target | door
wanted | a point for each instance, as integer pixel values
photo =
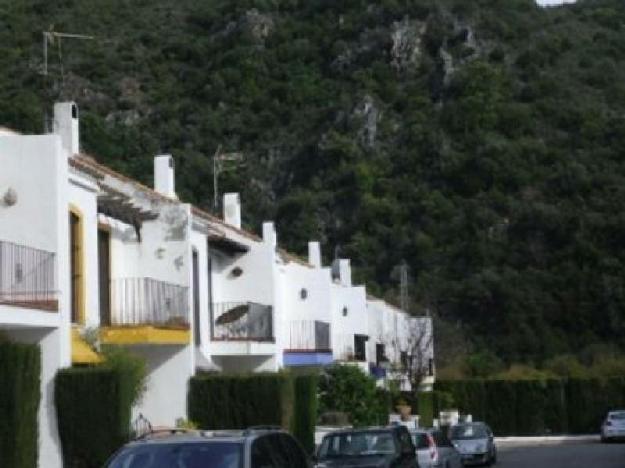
(104, 275)
(76, 266)
(196, 297)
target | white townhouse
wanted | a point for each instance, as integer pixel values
(85, 249)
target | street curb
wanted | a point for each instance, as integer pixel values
(559, 439)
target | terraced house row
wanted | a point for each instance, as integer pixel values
(83, 248)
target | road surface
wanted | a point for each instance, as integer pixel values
(564, 455)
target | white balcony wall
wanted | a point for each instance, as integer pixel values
(349, 318)
(305, 296)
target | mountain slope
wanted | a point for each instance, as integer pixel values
(481, 142)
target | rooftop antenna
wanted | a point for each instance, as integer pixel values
(219, 165)
(52, 37)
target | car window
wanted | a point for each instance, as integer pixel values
(264, 453)
(295, 454)
(180, 455)
(620, 416)
(421, 440)
(469, 432)
(441, 439)
(366, 443)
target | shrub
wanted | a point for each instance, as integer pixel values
(93, 413)
(240, 401)
(133, 370)
(347, 389)
(533, 407)
(305, 410)
(20, 371)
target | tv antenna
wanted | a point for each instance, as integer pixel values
(51, 37)
(220, 161)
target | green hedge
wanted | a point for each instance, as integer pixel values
(93, 413)
(305, 410)
(217, 401)
(240, 401)
(20, 393)
(532, 407)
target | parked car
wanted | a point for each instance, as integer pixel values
(475, 442)
(376, 447)
(435, 450)
(614, 426)
(253, 448)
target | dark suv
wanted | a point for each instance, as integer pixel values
(252, 448)
(383, 447)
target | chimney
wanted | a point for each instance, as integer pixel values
(232, 209)
(269, 234)
(66, 125)
(345, 272)
(314, 254)
(164, 175)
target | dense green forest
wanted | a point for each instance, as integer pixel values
(482, 142)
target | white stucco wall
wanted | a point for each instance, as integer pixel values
(82, 195)
(300, 312)
(169, 368)
(354, 323)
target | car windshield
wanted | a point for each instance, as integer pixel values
(351, 444)
(618, 416)
(180, 455)
(468, 432)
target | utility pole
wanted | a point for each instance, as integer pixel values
(219, 159)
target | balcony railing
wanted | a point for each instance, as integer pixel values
(309, 336)
(241, 321)
(27, 277)
(146, 301)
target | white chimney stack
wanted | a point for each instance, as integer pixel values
(66, 125)
(164, 180)
(345, 272)
(232, 209)
(314, 254)
(269, 234)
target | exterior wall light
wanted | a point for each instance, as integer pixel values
(303, 293)
(10, 197)
(236, 272)
(345, 311)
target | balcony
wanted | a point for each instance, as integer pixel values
(308, 344)
(146, 311)
(27, 277)
(241, 321)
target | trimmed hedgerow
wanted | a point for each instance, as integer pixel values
(217, 401)
(532, 407)
(93, 412)
(305, 410)
(20, 393)
(240, 401)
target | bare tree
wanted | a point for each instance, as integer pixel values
(412, 358)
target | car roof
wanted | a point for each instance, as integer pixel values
(362, 430)
(175, 436)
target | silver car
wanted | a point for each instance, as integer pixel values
(475, 442)
(435, 450)
(614, 426)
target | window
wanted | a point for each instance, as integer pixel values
(76, 266)
(360, 352)
(188, 455)
(380, 354)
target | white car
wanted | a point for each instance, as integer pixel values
(614, 426)
(434, 449)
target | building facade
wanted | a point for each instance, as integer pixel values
(85, 250)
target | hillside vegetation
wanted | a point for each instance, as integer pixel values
(480, 141)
